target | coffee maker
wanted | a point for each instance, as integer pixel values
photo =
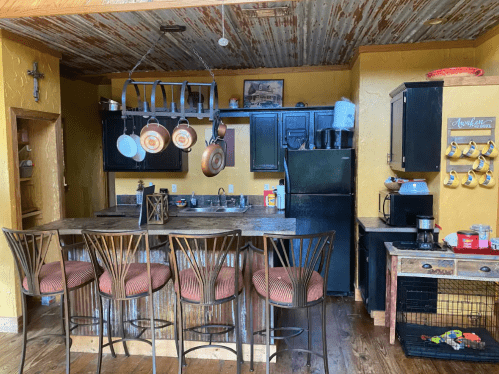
(426, 227)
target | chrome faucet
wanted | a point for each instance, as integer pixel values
(222, 200)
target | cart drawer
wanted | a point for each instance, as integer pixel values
(479, 269)
(426, 266)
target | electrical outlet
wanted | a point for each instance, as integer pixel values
(174, 188)
(266, 187)
(231, 188)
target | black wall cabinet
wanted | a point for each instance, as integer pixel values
(274, 130)
(416, 127)
(172, 159)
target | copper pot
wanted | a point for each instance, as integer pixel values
(222, 129)
(154, 137)
(184, 136)
(213, 160)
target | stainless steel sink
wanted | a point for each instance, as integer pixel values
(231, 210)
(212, 210)
(208, 209)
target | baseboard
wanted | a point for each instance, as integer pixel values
(11, 324)
(379, 317)
(167, 348)
(358, 295)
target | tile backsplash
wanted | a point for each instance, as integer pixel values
(202, 200)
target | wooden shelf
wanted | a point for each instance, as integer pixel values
(24, 179)
(31, 214)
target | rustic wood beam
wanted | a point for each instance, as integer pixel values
(38, 8)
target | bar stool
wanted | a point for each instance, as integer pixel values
(125, 279)
(204, 276)
(38, 278)
(301, 282)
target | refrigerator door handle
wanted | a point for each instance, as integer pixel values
(286, 177)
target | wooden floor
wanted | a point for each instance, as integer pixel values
(354, 346)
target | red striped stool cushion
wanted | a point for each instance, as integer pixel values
(77, 273)
(136, 279)
(224, 285)
(281, 288)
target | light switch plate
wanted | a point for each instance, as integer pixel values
(174, 188)
(231, 188)
(266, 187)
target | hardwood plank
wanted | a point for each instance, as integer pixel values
(354, 346)
(36, 8)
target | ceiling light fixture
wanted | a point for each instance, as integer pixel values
(267, 12)
(434, 21)
(223, 41)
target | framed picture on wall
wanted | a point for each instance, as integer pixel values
(263, 93)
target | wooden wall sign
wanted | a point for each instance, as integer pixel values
(454, 125)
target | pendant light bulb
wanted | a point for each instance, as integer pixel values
(223, 41)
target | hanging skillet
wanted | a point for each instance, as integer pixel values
(154, 137)
(141, 153)
(184, 136)
(126, 144)
(213, 160)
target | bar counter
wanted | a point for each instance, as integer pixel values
(83, 302)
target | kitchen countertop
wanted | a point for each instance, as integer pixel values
(134, 211)
(449, 253)
(375, 224)
(250, 226)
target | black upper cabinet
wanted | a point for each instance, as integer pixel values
(274, 130)
(266, 154)
(171, 159)
(295, 129)
(416, 127)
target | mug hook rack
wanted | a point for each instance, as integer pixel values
(469, 124)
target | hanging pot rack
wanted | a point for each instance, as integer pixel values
(212, 112)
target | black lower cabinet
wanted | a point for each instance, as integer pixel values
(372, 264)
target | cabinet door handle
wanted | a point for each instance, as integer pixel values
(485, 269)
(427, 266)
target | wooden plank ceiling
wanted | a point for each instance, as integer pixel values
(325, 32)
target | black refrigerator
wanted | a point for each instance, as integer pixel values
(320, 195)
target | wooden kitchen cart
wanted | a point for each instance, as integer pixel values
(437, 265)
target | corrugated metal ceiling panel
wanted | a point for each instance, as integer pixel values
(323, 32)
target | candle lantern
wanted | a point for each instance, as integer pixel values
(157, 209)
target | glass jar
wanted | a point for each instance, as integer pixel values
(483, 235)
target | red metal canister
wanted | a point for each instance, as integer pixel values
(467, 239)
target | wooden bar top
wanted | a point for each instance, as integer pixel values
(251, 226)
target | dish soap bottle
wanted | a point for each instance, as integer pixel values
(139, 193)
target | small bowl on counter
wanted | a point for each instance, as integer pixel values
(181, 203)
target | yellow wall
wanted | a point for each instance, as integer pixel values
(487, 56)
(462, 207)
(380, 73)
(85, 179)
(17, 91)
(313, 88)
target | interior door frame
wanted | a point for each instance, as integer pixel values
(19, 113)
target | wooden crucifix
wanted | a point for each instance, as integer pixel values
(36, 75)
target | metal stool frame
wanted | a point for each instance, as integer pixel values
(116, 255)
(191, 247)
(316, 255)
(29, 249)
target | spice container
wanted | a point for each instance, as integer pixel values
(467, 239)
(483, 235)
(494, 243)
